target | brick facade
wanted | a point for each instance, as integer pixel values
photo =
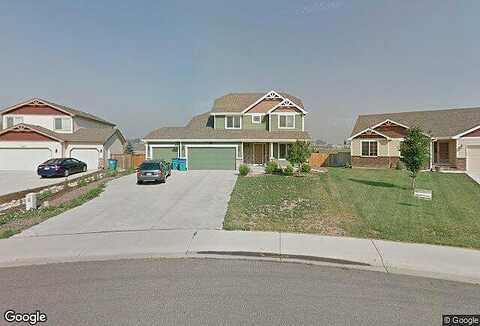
(461, 164)
(379, 162)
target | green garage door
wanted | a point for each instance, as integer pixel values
(164, 153)
(211, 158)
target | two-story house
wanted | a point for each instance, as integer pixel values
(34, 131)
(250, 128)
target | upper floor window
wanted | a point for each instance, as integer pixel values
(257, 118)
(63, 124)
(233, 122)
(286, 121)
(12, 121)
(369, 148)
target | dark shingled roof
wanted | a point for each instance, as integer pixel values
(237, 102)
(201, 127)
(437, 123)
(83, 135)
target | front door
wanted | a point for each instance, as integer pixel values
(258, 153)
(443, 152)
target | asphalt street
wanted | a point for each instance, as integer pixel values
(227, 292)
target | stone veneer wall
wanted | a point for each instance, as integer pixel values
(375, 162)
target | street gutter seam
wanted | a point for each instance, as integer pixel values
(189, 244)
(380, 255)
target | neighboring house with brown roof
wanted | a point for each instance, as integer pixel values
(36, 130)
(250, 128)
(454, 133)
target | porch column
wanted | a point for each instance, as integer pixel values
(271, 151)
(431, 155)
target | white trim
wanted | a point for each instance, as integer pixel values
(256, 115)
(391, 121)
(285, 115)
(31, 101)
(371, 130)
(369, 141)
(466, 132)
(23, 126)
(286, 103)
(215, 146)
(271, 151)
(303, 122)
(214, 122)
(235, 128)
(291, 140)
(152, 146)
(269, 95)
(226, 113)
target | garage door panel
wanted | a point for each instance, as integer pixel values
(473, 159)
(24, 159)
(90, 156)
(164, 153)
(211, 158)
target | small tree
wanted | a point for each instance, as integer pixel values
(299, 152)
(415, 152)
(128, 149)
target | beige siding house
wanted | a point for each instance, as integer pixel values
(454, 134)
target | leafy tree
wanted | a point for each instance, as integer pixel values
(415, 152)
(128, 148)
(299, 152)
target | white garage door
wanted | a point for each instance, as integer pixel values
(23, 158)
(90, 156)
(473, 159)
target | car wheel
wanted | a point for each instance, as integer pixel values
(164, 180)
(139, 182)
(66, 173)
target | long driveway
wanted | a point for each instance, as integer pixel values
(189, 200)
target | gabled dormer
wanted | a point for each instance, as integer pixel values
(52, 116)
(271, 111)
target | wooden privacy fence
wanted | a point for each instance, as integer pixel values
(333, 159)
(128, 161)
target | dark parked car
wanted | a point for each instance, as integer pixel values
(153, 171)
(61, 167)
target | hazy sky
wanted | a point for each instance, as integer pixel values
(146, 65)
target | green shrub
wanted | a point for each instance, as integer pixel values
(272, 167)
(400, 165)
(305, 168)
(348, 166)
(244, 169)
(288, 170)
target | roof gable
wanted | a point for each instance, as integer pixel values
(436, 123)
(243, 102)
(36, 102)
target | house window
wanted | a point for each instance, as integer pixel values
(369, 148)
(286, 121)
(233, 122)
(63, 124)
(256, 119)
(282, 151)
(12, 121)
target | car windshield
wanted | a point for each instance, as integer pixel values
(150, 166)
(54, 161)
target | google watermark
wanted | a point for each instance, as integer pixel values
(32, 318)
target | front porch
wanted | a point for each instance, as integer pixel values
(444, 156)
(261, 153)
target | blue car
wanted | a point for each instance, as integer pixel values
(61, 167)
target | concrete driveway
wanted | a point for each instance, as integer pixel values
(189, 200)
(13, 181)
(475, 176)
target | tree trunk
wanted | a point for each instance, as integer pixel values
(413, 184)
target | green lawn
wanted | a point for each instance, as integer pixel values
(360, 203)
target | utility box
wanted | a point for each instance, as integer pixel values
(31, 201)
(423, 194)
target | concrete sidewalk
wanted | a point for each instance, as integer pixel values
(384, 256)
